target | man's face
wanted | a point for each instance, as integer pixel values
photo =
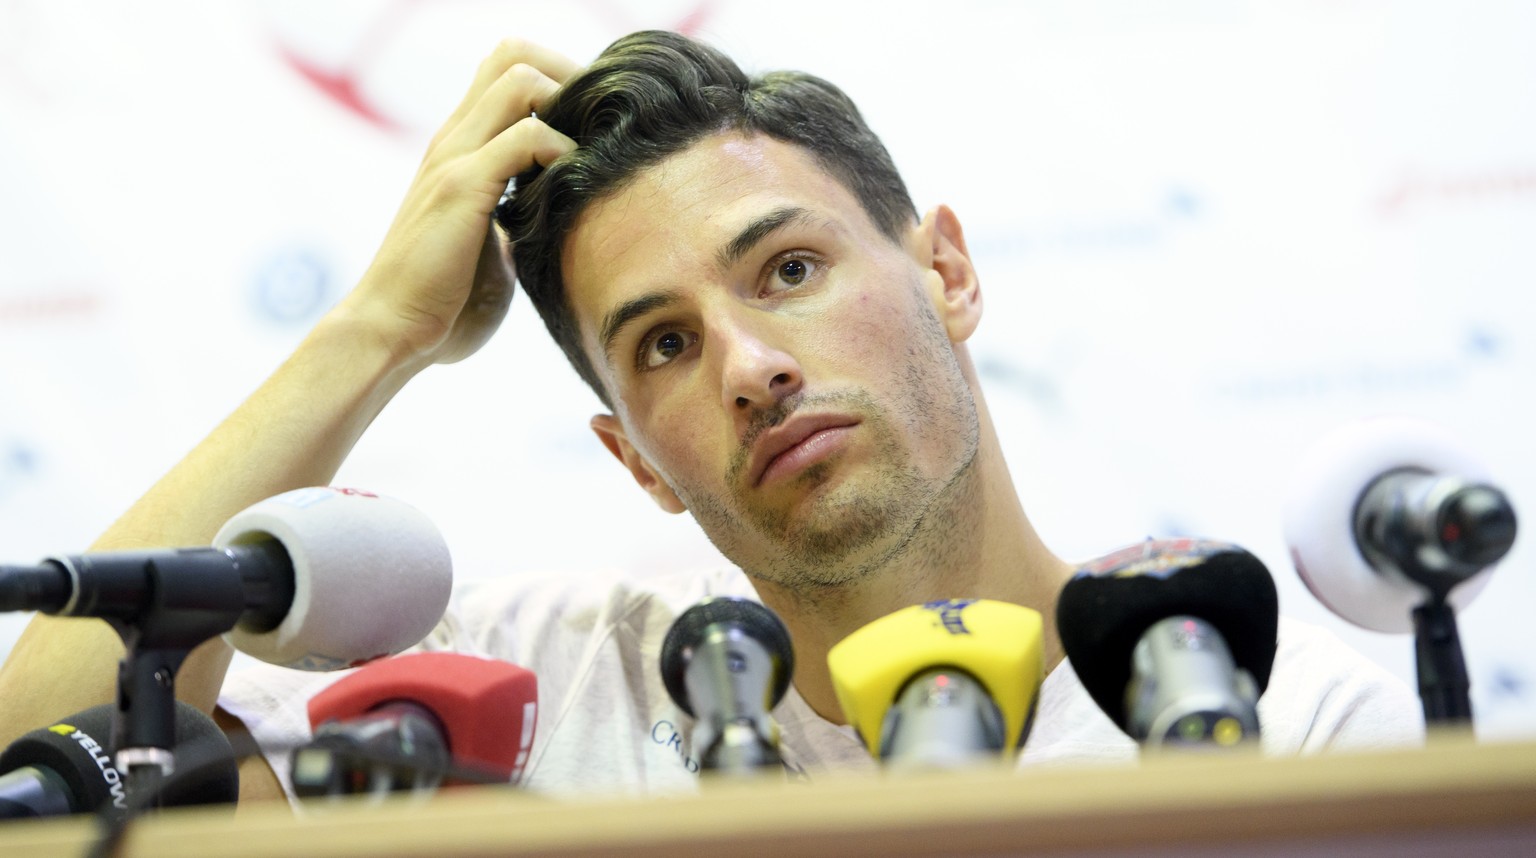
(778, 365)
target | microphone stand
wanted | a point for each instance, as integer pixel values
(189, 607)
(1438, 533)
(1444, 686)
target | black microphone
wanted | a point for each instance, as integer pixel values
(122, 585)
(67, 768)
(1174, 639)
(727, 662)
(1434, 529)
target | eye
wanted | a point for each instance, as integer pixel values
(663, 347)
(791, 272)
(794, 271)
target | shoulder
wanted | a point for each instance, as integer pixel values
(1324, 695)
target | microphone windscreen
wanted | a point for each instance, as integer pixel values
(998, 643)
(372, 576)
(750, 618)
(1106, 607)
(488, 709)
(207, 771)
(1326, 488)
(78, 748)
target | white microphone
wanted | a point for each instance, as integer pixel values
(372, 576)
(315, 579)
(1395, 528)
(1384, 513)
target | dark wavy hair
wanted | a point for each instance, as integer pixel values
(651, 95)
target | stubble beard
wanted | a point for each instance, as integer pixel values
(873, 520)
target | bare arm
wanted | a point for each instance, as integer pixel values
(435, 292)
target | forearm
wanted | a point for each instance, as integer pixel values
(294, 431)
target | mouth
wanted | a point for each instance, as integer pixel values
(797, 444)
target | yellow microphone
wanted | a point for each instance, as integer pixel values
(942, 684)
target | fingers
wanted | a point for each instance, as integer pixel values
(518, 93)
(526, 142)
(445, 302)
(545, 71)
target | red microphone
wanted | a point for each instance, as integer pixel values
(412, 722)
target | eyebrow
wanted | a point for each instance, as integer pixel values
(757, 230)
(749, 237)
(629, 311)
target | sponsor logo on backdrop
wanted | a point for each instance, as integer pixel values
(1480, 348)
(292, 286)
(18, 464)
(346, 82)
(1155, 223)
(1419, 189)
(55, 302)
(1508, 682)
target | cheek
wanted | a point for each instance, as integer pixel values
(871, 331)
(679, 444)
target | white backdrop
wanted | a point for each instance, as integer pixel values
(1208, 232)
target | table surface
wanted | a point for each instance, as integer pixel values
(1454, 796)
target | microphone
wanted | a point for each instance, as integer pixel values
(727, 662)
(404, 723)
(1384, 513)
(942, 684)
(315, 579)
(1394, 528)
(1174, 639)
(67, 768)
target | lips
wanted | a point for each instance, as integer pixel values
(796, 443)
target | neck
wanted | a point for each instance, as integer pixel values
(975, 543)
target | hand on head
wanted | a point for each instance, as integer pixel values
(443, 279)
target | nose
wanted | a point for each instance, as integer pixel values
(756, 373)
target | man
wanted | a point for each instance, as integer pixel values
(735, 267)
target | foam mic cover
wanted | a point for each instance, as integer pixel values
(372, 576)
(1329, 484)
(78, 751)
(997, 643)
(1107, 606)
(487, 709)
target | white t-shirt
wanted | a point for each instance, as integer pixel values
(606, 723)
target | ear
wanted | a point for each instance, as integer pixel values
(954, 287)
(611, 432)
